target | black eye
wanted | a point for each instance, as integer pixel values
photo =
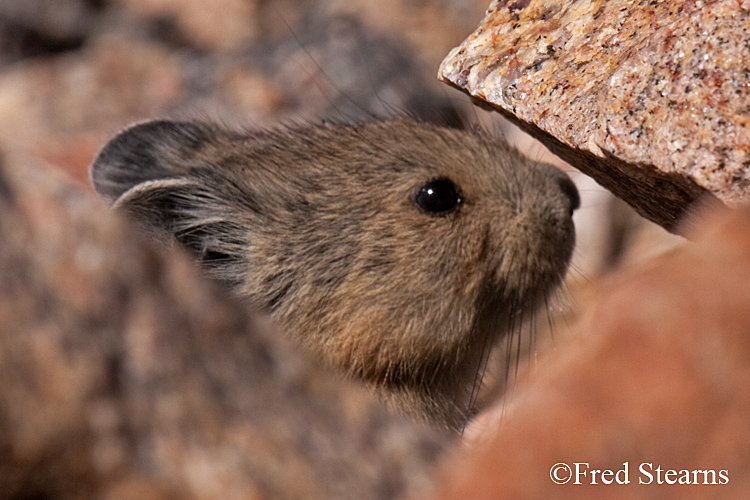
(438, 197)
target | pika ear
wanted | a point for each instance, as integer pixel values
(145, 152)
(147, 172)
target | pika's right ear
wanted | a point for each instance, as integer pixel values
(145, 152)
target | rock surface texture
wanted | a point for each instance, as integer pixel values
(648, 97)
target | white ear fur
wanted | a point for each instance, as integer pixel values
(141, 192)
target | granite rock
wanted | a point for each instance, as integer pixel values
(648, 97)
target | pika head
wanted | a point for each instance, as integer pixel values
(396, 251)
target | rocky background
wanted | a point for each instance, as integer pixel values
(73, 72)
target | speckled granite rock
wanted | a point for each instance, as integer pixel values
(651, 98)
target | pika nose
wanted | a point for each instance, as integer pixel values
(570, 190)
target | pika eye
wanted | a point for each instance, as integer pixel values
(439, 197)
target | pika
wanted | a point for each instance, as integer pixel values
(397, 251)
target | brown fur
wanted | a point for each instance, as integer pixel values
(319, 225)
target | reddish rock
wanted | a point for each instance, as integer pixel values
(657, 371)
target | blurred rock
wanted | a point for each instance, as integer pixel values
(125, 375)
(649, 98)
(218, 25)
(657, 371)
(62, 110)
(34, 28)
(236, 61)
